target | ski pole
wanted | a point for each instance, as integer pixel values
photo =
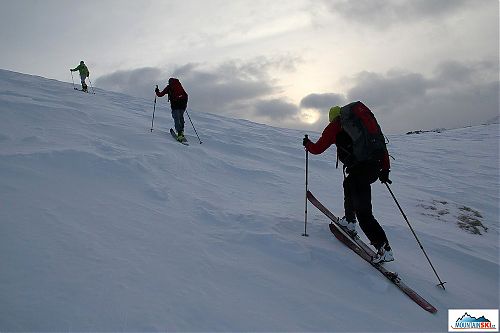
(154, 109)
(441, 283)
(91, 86)
(193, 127)
(72, 80)
(307, 172)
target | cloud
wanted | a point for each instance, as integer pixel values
(394, 88)
(454, 71)
(457, 94)
(243, 89)
(322, 101)
(138, 82)
(276, 110)
(384, 13)
(230, 88)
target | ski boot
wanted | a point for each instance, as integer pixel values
(181, 137)
(350, 226)
(384, 254)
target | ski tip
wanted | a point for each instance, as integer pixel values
(431, 309)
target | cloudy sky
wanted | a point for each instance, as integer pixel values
(418, 64)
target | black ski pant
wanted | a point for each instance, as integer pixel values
(358, 202)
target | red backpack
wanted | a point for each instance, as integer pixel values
(176, 91)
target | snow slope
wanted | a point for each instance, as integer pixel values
(107, 226)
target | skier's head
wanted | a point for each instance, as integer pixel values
(81, 62)
(334, 113)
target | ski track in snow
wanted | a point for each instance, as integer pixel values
(107, 226)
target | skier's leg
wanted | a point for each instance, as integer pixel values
(349, 212)
(84, 85)
(181, 120)
(363, 206)
(175, 116)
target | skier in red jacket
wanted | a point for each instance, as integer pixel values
(357, 183)
(178, 103)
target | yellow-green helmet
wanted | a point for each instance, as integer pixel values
(334, 113)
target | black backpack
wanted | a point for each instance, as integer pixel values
(368, 142)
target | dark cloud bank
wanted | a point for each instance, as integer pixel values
(234, 88)
(457, 94)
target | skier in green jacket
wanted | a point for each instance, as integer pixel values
(84, 73)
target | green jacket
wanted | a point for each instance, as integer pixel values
(84, 71)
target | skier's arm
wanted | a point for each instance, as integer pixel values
(162, 93)
(326, 140)
(77, 68)
(384, 172)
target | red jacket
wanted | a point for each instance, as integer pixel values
(175, 103)
(329, 137)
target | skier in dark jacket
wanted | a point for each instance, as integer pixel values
(178, 103)
(357, 183)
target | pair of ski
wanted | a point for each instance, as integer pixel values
(365, 252)
(85, 91)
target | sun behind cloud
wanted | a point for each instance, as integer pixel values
(309, 116)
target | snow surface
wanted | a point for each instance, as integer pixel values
(107, 226)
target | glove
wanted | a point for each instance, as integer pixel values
(384, 177)
(305, 141)
(157, 90)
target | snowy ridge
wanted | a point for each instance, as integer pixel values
(106, 226)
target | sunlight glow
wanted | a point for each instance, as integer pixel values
(309, 116)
